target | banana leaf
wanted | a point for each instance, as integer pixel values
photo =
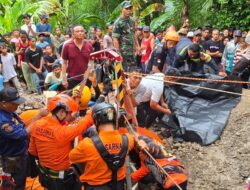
(160, 21)
(152, 8)
(93, 20)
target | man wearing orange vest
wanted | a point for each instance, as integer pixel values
(104, 154)
(50, 142)
(166, 160)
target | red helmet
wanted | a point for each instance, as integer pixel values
(63, 100)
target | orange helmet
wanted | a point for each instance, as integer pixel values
(173, 36)
(63, 100)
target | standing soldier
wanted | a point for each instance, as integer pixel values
(124, 37)
(50, 142)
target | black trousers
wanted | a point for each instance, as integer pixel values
(108, 186)
(146, 115)
(68, 183)
(20, 176)
(73, 83)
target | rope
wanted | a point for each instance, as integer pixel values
(59, 82)
(150, 156)
(189, 85)
(201, 79)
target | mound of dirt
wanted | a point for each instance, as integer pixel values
(223, 165)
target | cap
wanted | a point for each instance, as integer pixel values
(44, 16)
(146, 29)
(190, 34)
(237, 33)
(126, 4)
(197, 33)
(26, 16)
(10, 94)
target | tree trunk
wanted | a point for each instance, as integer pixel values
(185, 11)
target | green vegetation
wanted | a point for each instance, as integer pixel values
(156, 13)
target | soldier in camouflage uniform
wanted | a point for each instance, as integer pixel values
(124, 36)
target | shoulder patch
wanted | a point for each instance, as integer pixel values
(7, 128)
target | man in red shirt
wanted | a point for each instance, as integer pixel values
(75, 56)
(147, 45)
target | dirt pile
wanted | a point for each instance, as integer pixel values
(223, 165)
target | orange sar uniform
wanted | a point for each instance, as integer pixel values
(50, 141)
(96, 171)
(179, 177)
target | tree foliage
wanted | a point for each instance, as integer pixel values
(233, 13)
(156, 13)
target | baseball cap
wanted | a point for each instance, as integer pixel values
(44, 16)
(146, 29)
(126, 4)
(190, 34)
(10, 94)
(197, 32)
(237, 33)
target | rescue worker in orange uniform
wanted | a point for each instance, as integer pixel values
(166, 160)
(160, 153)
(103, 154)
(50, 142)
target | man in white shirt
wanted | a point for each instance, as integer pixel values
(151, 103)
(107, 40)
(7, 68)
(54, 78)
(28, 27)
(133, 87)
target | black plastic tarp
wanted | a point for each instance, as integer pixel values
(199, 115)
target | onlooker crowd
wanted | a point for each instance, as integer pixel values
(37, 48)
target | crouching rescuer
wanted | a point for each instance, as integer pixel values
(176, 178)
(50, 143)
(104, 154)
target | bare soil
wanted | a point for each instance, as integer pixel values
(224, 165)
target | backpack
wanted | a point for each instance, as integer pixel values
(114, 161)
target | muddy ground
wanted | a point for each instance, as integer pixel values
(224, 165)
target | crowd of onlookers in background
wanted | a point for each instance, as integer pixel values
(32, 55)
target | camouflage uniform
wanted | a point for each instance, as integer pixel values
(124, 30)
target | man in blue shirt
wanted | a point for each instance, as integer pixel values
(13, 140)
(44, 27)
(42, 43)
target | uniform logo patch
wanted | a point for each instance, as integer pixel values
(14, 120)
(110, 114)
(7, 128)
